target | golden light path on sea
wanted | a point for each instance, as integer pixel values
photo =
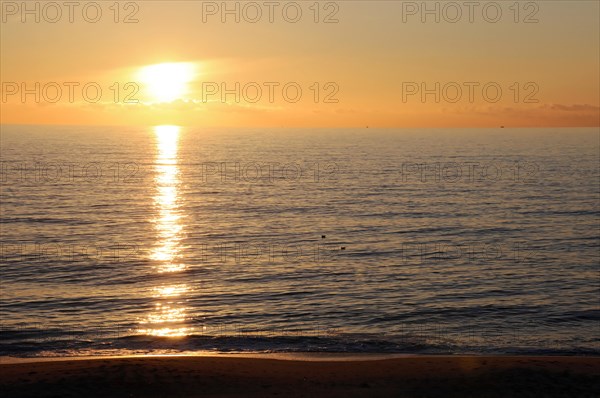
(169, 314)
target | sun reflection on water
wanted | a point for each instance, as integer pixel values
(170, 291)
(169, 315)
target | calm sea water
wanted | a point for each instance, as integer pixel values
(168, 239)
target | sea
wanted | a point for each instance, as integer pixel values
(177, 240)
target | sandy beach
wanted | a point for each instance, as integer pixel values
(422, 376)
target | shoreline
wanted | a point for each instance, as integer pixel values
(280, 356)
(235, 375)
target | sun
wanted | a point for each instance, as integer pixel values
(167, 82)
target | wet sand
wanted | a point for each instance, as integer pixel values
(223, 376)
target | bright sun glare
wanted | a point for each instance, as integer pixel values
(167, 82)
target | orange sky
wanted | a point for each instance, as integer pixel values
(368, 63)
